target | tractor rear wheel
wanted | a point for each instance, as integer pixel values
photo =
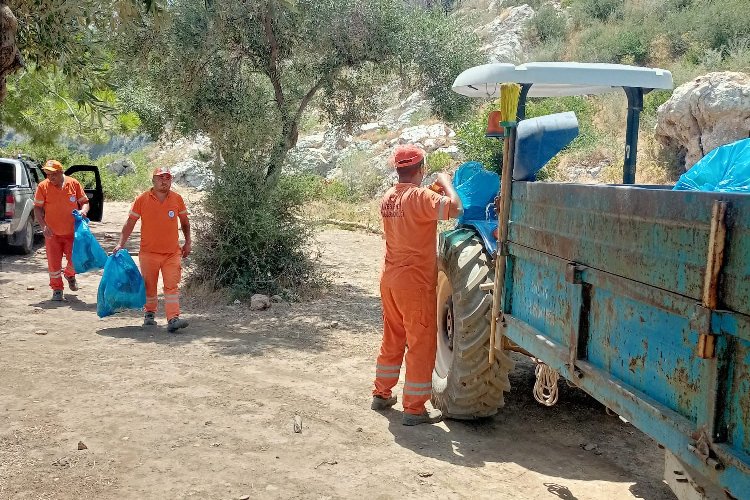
(464, 384)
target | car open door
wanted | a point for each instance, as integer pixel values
(91, 180)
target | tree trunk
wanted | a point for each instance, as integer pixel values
(10, 57)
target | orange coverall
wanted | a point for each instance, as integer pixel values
(407, 290)
(58, 204)
(160, 248)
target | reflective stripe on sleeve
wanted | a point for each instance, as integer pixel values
(183, 212)
(39, 203)
(83, 199)
(441, 208)
(133, 214)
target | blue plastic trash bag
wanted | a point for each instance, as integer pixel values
(725, 169)
(88, 254)
(121, 287)
(477, 187)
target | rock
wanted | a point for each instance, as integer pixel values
(259, 302)
(41, 332)
(703, 114)
(421, 133)
(245, 497)
(297, 424)
(82, 446)
(332, 324)
(425, 474)
(506, 35)
(589, 446)
(369, 126)
(193, 173)
(451, 150)
(236, 302)
(276, 299)
(29, 288)
(312, 160)
(122, 166)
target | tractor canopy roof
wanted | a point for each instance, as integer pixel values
(553, 79)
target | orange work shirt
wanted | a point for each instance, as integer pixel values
(410, 214)
(158, 221)
(59, 203)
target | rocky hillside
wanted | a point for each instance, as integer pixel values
(704, 113)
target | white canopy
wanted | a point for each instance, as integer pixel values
(553, 79)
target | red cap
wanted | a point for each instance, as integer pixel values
(407, 155)
(52, 166)
(163, 171)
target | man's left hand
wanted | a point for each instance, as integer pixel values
(186, 249)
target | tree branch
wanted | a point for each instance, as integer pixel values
(272, 69)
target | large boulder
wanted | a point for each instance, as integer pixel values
(193, 173)
(506, 34)
(703, 114)
(431, 137)
(121, 166)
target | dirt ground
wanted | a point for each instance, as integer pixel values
(209, 414)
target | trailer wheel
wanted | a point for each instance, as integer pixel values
(464, 384)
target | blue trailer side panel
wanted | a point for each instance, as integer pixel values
(606, 285)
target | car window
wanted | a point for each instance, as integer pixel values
(37, 174)
(24, 178)
(7, 174)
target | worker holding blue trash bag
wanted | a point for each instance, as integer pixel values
(159, 210)
(54, 201)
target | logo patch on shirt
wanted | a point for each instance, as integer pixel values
(171, 214)
(72, 198)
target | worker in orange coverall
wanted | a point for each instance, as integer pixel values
(159, 209)
(408, 285)
(55, 199)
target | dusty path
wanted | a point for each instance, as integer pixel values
(209, 414)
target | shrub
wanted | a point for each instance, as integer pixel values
(584, 11)
(250, 241)
(547, 24)
(474, 146)
(438, 161)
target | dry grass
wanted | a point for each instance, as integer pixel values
(365, 213)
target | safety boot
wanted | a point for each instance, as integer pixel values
(72, 283)
(149, 319)
(380, 403)
(175, 324)
(57, 295)
(427, 417)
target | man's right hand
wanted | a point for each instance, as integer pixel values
(444, 180)
(47, 232)
(116, 249)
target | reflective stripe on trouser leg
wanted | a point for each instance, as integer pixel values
(149, 263)
(392, 347)
(54, 251)
(420, 322)
(171, 272)
(67, 248)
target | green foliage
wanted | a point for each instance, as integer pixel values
(582, 106)
(547, 24)
(710, 33)
(653, 100)
(252, 244)
(587, 11)
(438, 161)
(474, 146)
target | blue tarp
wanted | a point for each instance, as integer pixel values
(121, 287)
(477, 187)
(725, 169)
(87, 253)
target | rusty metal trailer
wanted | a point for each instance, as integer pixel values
(638, 295)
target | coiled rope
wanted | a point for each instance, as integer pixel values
(545, 387)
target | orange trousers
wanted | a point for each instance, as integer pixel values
(170, 265)
(409, 318)
(56, 246)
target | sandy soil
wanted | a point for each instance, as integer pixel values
(209, 414)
